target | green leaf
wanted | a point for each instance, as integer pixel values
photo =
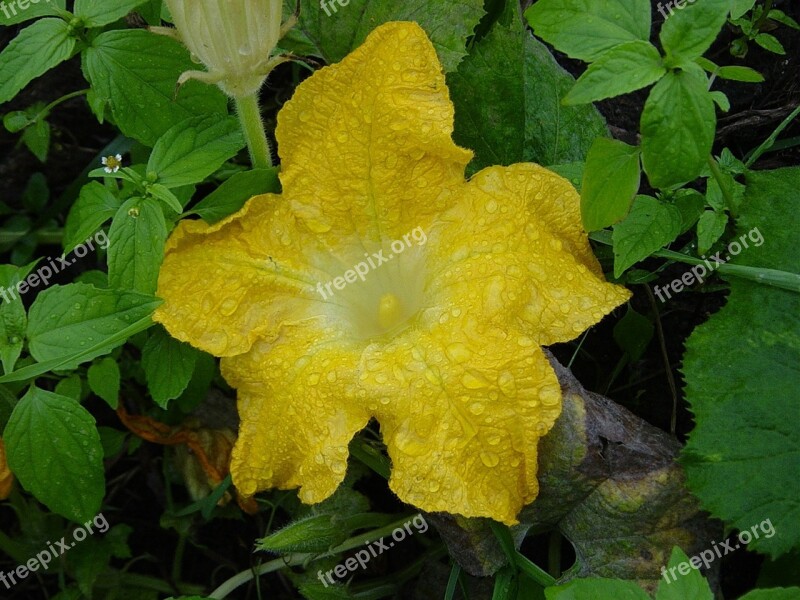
(14, 13)
(229, 197)
(104, 380)
(710, 228)
(54, 450)
(13, 320)
(610, 182)
(648, 227)
(690, 203)
(690, 31)
(770, 42)
(520, 117)
(782, 17)
(745, 74)
(37, 139)
(16, 120)
(633, 333)
(740, 369)
(71, 387)
(596, 588)
(65, 320)
(135, 69)
(721, 100)
(37, 49)
(95, 205)
(96, 13)
(678, 125)
(168, 366)
(773, 594)
(585, 29)
(89, 559)
(689, 586)
(136, 245)
(193, 149)
(739, 7)
(623, 69)
(448, 23)
(161, 192)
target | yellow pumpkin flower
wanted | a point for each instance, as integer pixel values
(381, 284)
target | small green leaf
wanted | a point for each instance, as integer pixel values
(678, 125)
(691, 30)
(13, 319)
(710, 228)
(610, 182)
(96, 13)
(71, 387)
(161, 192)
(721, 100)
(317, 533)
(585, 29)
(648, 227)
(37, 139)
(54, 450)
(193, 149)
(690, 203)
(623, 69)
(16, 120)
(112, 440)
(740, 7)
(131, 69)
(595, 588)
(229, 197)
(65, 320)
(782, 17)
(745, 74)
(136, 245)
(633, 333)
(37, 49)
(104, 380)
(95, 205)
(682, 580)
(792, 593)
(770, 42)
(168, 366)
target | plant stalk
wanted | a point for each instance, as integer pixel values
(253, 127)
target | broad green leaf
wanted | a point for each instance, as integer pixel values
(596, 588)
(682, 581)
(168, 366)
(690, 31)
(710, 228)
(104, 380)
(13, 12)
(610, 182)
(95, 13)
(736, 73)
(95, 205)
(740, 369)
(520, 117)
(332, 36)
(623, 69)
(229, 197)
(678, 125)
(193, 149)
(585, 29)
(64, 320)
(37, 49)
(136, 245)
(54, 450)
(770, 42)
(136, 72)
(649, 226)
(740, 7)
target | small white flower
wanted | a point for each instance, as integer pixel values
(112, 164)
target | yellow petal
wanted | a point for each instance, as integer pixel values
(516, 238)
(366, 144)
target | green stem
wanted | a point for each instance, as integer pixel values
(250, 117)
(726, 192)
(780, 279)
(770, 141)
(46, 110)
(295, 559)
